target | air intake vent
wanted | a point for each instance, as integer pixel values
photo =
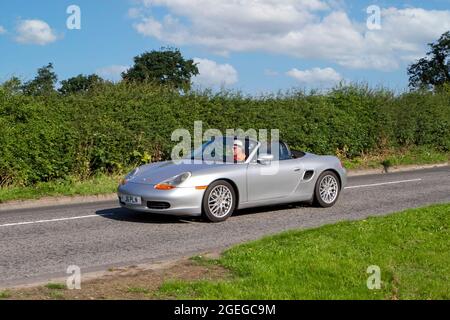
(308, 175)
(158, 205)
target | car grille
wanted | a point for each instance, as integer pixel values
(158, 205)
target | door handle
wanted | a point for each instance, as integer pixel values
(297, 169)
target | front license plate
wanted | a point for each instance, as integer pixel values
(131, 200)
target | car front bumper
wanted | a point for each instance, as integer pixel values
(180, 201)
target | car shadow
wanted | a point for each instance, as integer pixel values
(282, 207)
(122, 214)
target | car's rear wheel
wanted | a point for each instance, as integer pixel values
(219, 201)
(327, 189)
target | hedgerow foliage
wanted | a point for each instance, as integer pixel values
(115, 126)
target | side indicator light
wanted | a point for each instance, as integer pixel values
(201, 187)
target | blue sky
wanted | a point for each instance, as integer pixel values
(253, 46)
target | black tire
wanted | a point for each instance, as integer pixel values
(319, 201)
(223, 215)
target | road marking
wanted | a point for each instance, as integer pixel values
(382, 184)
(54, 220)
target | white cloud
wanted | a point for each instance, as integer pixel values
(35, 32)
(113, 72)
(224, 23)
(316, 76)
(214, 74)
(150, 27)
(134, 13)
(316, 29)
(2, 30)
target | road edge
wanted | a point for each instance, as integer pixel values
(73, 200)
(55, 201)
(394, 169)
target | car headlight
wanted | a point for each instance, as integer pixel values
(173, 182)
(129, 176)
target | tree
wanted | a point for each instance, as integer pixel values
(166, 67)
(43, 83)
(80, 83)
(13, 85)
(433, 71)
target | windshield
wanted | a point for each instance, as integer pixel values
(225, 149)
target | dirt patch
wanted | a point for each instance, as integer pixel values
(123, 283)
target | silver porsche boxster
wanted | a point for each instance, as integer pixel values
(243, 174)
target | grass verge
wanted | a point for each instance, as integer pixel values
(101, 184)
(397, 157)
(331, 262)
(120, 283)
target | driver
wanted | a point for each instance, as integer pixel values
(238, 151)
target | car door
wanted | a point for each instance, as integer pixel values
(275, 180)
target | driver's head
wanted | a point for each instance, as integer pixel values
(238, 150)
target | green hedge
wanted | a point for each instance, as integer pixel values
(117, 126)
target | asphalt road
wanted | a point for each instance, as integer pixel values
(39, 244)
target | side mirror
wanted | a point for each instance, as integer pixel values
(265, 159)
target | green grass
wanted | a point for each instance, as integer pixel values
(55, 286)
(57, 295)
(203, 261)
(411, 248)
(412, 156)
(101, 184)
(4, 295)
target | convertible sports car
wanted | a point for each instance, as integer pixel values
(214, 185)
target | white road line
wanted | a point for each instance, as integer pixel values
(54, 220)
(382, 184)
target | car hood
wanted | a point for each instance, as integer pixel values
(158, 172)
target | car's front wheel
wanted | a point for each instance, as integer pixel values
(219, 201)
(327, 189)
